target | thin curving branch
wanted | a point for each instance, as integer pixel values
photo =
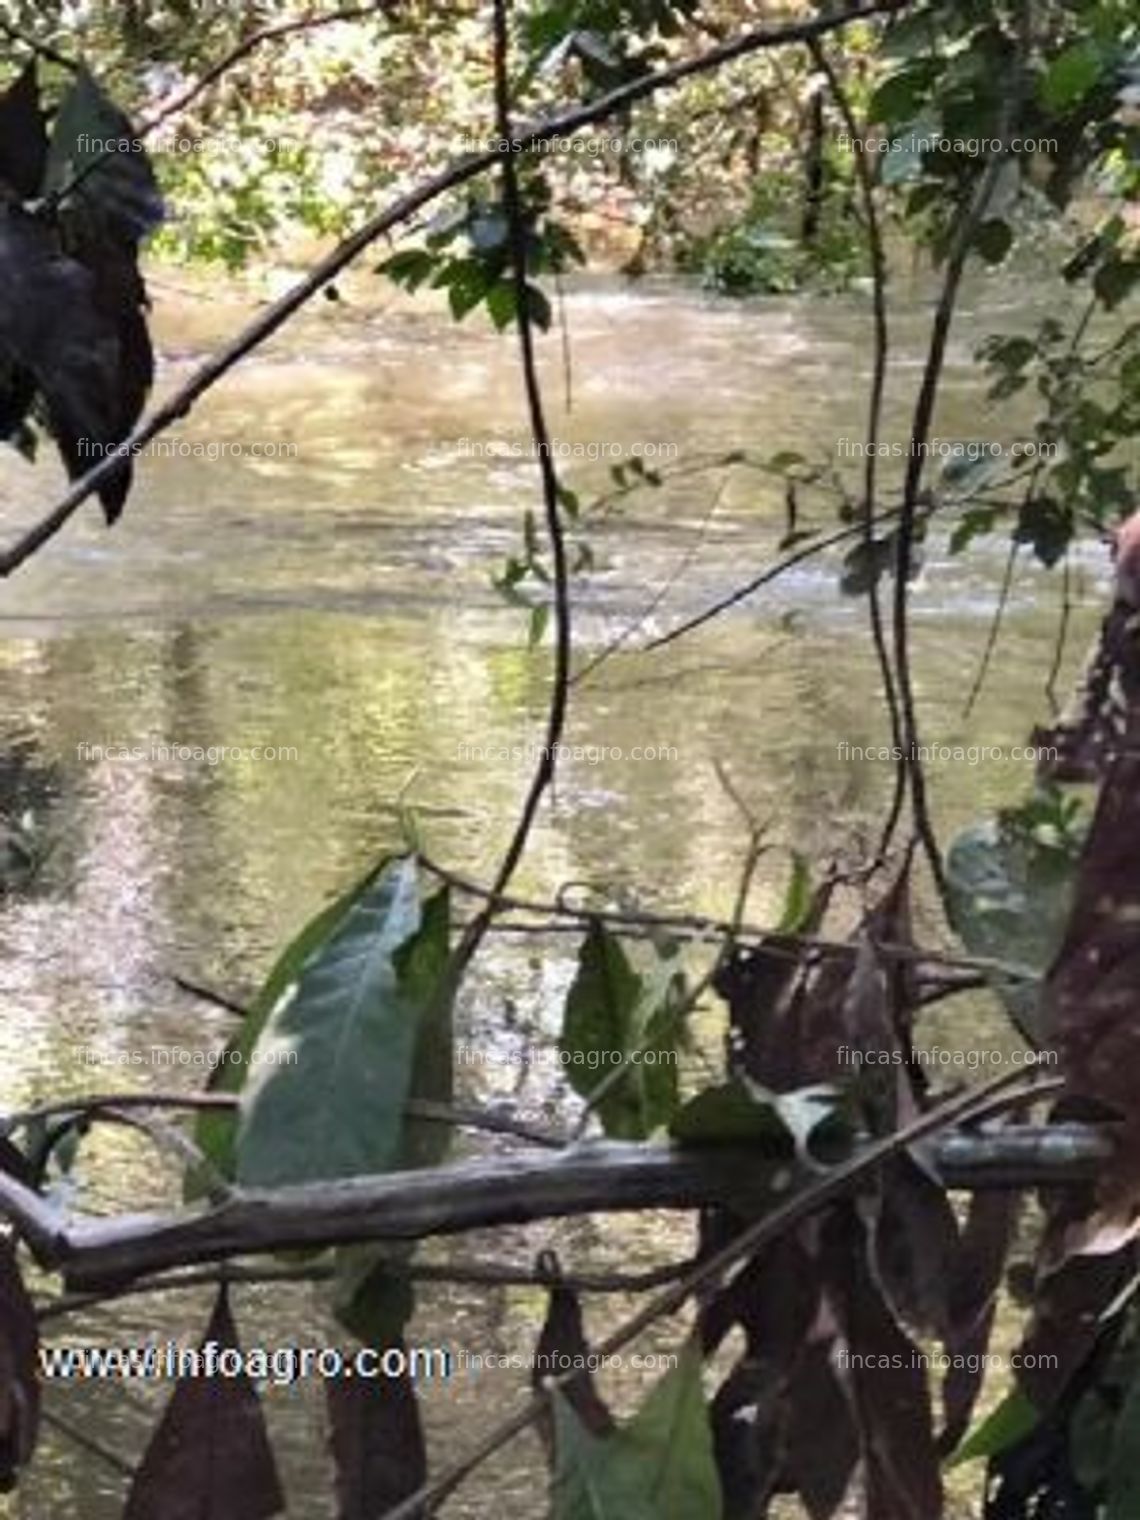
(543, 777)
(879, 275)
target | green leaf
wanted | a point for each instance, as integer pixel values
(215, 1133)
(539, 618)
(993, 240)
(1010, 883)
(864, 565)
(798, 897)
(658, 1466)
(612, 1011)
(501, 303)
(732, 1114)
(410, 267)
(352, 1021)
(1071, 76)
(1003, 1427)
(119, 184)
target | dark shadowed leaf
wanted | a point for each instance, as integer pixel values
(973, 1280)
(377, 1443)
(1124, 1458)
(118, 186)
(74, 335)
(658, 1466)
(562, 1346)
(888, 1387)
(352, 1021)
(823, 1446)
(23, 137)
(19, 1370)
(210, 1457)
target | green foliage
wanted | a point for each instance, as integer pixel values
(1011, 884)
(480, 273)
(336, 1059)
(761, 252)
(620, 1035)
(1002, 1428)
(658, 1466)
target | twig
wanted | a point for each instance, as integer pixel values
(765, 578)
(908, 521)
(87, 1442)
(463, 1273)
(874, 421)
(1062, 638)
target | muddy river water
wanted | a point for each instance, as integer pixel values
(331, 601)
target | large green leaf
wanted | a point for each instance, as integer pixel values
(618, 1021)
(334, 1063)
(216, 1132)
(659, 1466)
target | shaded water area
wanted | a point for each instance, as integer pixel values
(339, 604)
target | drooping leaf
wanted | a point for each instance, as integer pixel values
(974, 1279)
(1124, 1458)
(889, 1390)
(1011, 886)
(75, 337)
(562, 1345)
(23, 136)
(377, 1443)
(117, 185)
(19, 1370)
(216, 1133)
(657, 1466)
(210, 1457)
(327, 1095)
(617, 1020)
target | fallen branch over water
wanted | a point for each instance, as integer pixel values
(603, 1177)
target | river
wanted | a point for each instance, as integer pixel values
(333, 601)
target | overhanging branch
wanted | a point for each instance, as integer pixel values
(598, 1177)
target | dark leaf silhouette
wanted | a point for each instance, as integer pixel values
(887, 1386)
(74, 335)
(562, 1345)
(19, 1370)
(210, 1458)
(23, 137)
(377, 1443)
(974, 1279)
(116, 187)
